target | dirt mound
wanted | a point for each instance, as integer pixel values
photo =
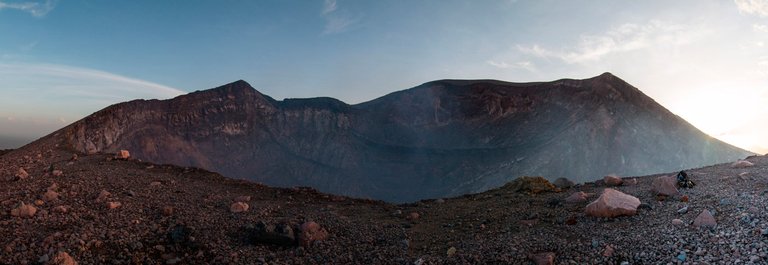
(534, 185)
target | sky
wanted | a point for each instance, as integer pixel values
(705, 60)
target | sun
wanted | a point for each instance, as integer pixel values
(730, 117)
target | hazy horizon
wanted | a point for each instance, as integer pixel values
(62, 60)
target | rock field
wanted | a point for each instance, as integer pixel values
(58, 207)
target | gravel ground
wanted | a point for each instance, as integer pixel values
(495, 227)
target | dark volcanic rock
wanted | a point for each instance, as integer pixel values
(563, 183)
(442, 138)
(280, 234)
(611, 180)
(180, 234)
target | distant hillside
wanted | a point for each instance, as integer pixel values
(5, 151)
(12, 141)
(442, 138)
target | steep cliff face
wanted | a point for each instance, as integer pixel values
(442, 138)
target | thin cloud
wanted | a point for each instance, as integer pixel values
(77, 74)
(760, 28)
(329, 6)
(28, 46)
(625, 38)
(40, 98)
(762, 66)
(753, 7)
(335, 25)
(336, 21)
(46, 86)
(36, 9)
(502, 65)
(525, 65)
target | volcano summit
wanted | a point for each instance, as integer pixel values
(442, 138)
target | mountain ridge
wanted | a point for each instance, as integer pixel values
(441, 138)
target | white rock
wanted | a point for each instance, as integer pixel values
(741, 164)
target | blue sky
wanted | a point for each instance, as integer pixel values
(705, 60)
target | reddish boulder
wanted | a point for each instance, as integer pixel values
(60, 209)
(611, 180)
(167, 211)
(238, 207)
(114, 205)
(57, 173)
(50, 195)
(103, 195)
(24, 210)
(613, 203)
(22, 173)
(705, 219)
(664, 185)
(311, 232)
(123, 154)
(413, 216)
(608, 251)
(577, 197)
(543, 258)
(62, 258)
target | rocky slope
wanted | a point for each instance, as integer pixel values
(95, 209)
(442, 138)
(5, 151)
